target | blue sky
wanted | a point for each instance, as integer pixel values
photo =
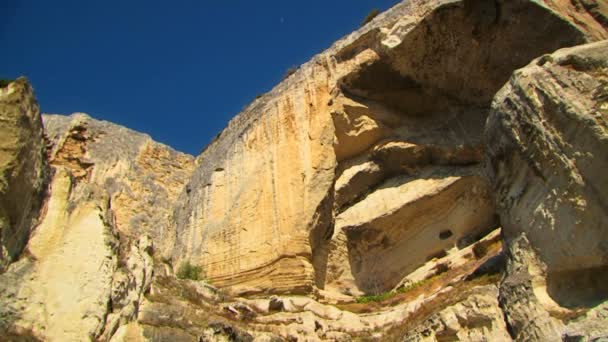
(177, 70)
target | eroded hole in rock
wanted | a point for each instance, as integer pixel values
(579, 288)
(445, 234)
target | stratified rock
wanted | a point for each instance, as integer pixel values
(139, 177)
(361, 173)
(90, 258)
(23, 168)
(405, 97)
(476, 318)
(547, 150)
(405, 222)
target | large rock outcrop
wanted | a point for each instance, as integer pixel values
(316, 181)
(89, 260)
(547, 149)
(358, 182)
(23, 168)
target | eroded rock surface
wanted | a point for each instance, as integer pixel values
(476, 318)
(350, 202)
(547, 148)
(23, 168)
(90, 258)
(403, 99)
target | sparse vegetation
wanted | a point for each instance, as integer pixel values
(370, 16)
(389, 294)
(189, 271)
(441, 268)
(292, 70)
(4, 82)
(480, 250)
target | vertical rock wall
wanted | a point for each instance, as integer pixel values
(23, 168)
(330, 172)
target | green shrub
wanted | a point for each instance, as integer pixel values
(292, 70)
(370, 16)
(480, 250)
(441, 268)
(188, 271)
(375, 298)
(4, 83)
(389, 294)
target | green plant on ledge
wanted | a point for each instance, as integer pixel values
(390, 294)
(292, 70)
(5, 83)
(370, 16)
(189, 271)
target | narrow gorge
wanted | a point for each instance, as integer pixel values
(435, 175)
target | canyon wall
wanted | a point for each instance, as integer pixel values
(23, 168)
(88, 259)
(366, 162)
(435, 175)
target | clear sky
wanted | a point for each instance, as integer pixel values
(177, 70)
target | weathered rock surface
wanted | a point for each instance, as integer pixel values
(89, 260)
(405, 97)
(139, 177)
(193, 311)
(360, 174)
(406, 222)
(23, 168)
(476, 318)
(547, 148)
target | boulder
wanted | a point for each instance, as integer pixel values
(547, 149)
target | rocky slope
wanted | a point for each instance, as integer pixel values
(360, 199)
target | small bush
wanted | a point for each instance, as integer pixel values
(375, 298)
(389, 294)
(441, 268)
(5, 83)
(292, 70)
(188, 271)
(480, 250)
(370, 16)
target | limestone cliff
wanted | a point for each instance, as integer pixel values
(368, 196)
(366, 162)
(89, 258)
(23, 168)
(547, 148)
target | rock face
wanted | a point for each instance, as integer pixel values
(89, 259)
(23, 169)
(353, 201)
(477, 318)
(547, 146)
(288, 192)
